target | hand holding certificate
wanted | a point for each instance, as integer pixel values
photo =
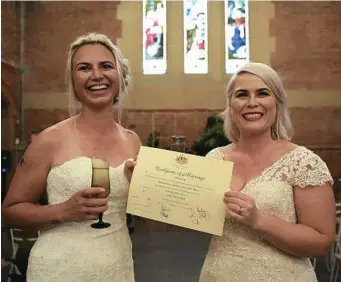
(180, 189)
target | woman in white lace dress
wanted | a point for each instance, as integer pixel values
(60, 160)
(280, 208)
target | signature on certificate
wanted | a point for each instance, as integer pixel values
(200, 214)
(164, 211)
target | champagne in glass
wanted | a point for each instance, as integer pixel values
(178, 143)
(100, 177)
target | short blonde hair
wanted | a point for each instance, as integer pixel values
(121, 65)
(282, 127)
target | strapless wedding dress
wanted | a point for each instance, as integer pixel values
(75, 251)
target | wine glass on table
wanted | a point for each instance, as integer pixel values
(100, 178)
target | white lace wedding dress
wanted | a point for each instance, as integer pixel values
(75, 251)
(241, 255)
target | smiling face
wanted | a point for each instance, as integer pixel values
(253, 105)
(95, 76)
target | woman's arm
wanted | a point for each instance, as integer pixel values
(135, 142)
(135, 145)
(313, 234)
(28, 183)
(20, 205)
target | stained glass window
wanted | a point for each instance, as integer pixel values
(236, 35)
(154, 37)
(195, 36)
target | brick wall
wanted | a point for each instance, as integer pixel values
(10, 51)
(308, 43)
(307, 55)
(50, 29)
(310, 129)
(322, 135)
(318, 126)
(10, 72)
(10, 31)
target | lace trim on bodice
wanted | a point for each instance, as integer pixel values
(299, 167)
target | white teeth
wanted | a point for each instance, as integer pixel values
(98, 87)
(253, 115)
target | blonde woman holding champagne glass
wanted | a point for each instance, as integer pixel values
(61, 158)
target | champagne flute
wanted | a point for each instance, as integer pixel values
(100, 177)
(178, 143)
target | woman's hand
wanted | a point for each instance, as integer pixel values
(129, 168)
(84, 205)
(242, 208)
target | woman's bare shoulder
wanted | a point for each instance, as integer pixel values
(132, 138)
(56, 131)
(129, 134)
(284, 146)
(51, 137)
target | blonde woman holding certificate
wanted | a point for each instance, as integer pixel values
(67, 159)
(280, 208)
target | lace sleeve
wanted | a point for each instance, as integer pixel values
(215, 154)
(312, 171)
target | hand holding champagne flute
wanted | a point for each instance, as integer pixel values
(100, 178)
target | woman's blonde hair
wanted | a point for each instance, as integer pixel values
(121, 66)
(282, 127)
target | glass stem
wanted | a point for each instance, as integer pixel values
(100, 217)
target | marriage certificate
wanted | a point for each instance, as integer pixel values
(180, 189)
